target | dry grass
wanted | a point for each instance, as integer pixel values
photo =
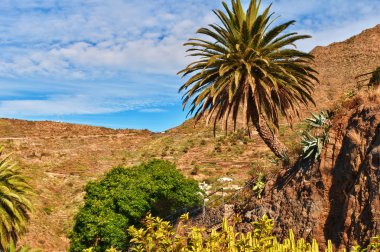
(374, 95)
(60, 159)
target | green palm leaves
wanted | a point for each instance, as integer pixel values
(247, 68)
(14, 202)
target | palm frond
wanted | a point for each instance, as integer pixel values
(15, 205)
(245, 55)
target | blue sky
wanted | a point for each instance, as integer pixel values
(113, 63)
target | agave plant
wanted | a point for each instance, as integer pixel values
(320, 120)
(15, 205)
(312, 145)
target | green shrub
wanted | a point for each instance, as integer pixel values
(123, 197)
(158, 235)
(259, 185)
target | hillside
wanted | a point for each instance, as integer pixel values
(338, 198)
(61, 158)
(339, 63)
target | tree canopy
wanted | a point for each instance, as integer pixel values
(123, 197)
(245, 66)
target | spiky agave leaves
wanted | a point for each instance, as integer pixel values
(320, 120)
(247, 68)
(319, 125)
(311, 146)
(15, 205)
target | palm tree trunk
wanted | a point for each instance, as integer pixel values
(270, 139)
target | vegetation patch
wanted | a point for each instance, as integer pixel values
(123, 197)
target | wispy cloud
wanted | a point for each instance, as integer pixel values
(76, 57)
(91, 38)
(328, 21)
(152, 110)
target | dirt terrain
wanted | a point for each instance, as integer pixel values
(61, 158)
(339, 63)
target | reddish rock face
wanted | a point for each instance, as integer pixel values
(337, 198)
(339, 63)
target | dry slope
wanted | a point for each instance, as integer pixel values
(339, 63)
(61, 158)
(337, 199)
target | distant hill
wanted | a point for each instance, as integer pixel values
(339, 63)
(61, 158)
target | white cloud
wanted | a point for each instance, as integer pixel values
(83, 39)
(99, 56)
(328, 21)
(75, 105)
(59, 105)
(152, 110)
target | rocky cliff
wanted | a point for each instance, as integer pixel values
(339, 63)
(338, 197)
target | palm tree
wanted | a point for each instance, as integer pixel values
(14, 203)
(248, 68)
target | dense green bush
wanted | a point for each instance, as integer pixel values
(123, 197)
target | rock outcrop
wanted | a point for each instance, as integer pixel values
(337, 198)
(339, 63)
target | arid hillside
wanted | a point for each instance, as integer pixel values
(338, 198)
(61, 158)
(339, 63)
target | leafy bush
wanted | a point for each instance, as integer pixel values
(158, 235)
(124, 197)
(259, 186)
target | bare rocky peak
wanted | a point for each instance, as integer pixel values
(340, 62)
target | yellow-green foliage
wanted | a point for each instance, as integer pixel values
(160, 236)
(15, 204)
